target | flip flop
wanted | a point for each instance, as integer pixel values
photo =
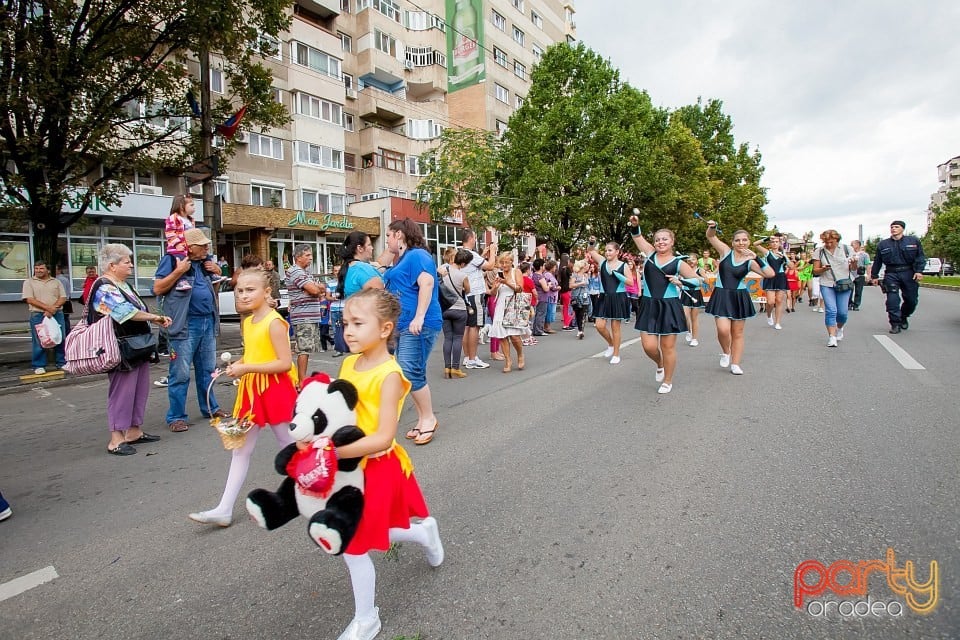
(413, 433)
(427, 433)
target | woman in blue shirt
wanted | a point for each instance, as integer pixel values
(356, 272)
(411, 277)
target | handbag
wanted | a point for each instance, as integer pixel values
(840, 284)
(137, 349)
(448, 295)
(91, 348)
(517, 311)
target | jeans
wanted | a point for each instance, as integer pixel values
(835, 305)
(199, 348)
(413, 351)
(540, 318)
(39, 355)
(454, 324)
(857, 292)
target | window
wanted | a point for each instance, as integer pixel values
(423, 20)
(536, 19)
(425, 56)
(388, 8)
(417, 166)
(386, 192)
(517, 4)
(385, 42)
(267, 195)
(537, 51)
(348, 122)
(499, 21)
(392, 160)
(314, 107)
(423, 129)
(350, 161)
(518, 36)
(346, 42)
(348, 81)
(501, 93)
(277, 95)
(216, 80)
(268, 46)
(501, 127)
(261, 145)
(499, 57)
(311, 200)
(518, 101)
(519, 70)
(315, 59)
(319, 156)
(345, 6)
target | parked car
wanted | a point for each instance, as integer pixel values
(228, 306)
(933, 266)
(947, 269)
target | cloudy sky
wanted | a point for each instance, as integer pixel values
(852, 104)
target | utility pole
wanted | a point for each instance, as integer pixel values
(206, 145)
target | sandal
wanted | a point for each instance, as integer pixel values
(413, 433)
(122, 449)
(427, 434)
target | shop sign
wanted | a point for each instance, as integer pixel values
(328, 221)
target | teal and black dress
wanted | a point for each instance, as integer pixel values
(779, 265)
(660, 310)
(730, 298)
(614, 304)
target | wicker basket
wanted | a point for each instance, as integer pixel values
(232, 431)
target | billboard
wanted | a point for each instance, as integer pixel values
(465, 53)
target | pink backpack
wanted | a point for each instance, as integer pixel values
(91, 348)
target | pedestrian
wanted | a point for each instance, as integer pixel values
(863, 261)
(661, 317)
(91, 277)
(356, 272)
(692, 301)
(393, 506)
(793, 284)
(335, 296)
(593, 289)
(614, 306)
(579, 298)
(528, 287)
(45, 298)
(903, 257)
(836, 264)
(564, 271)
(129, 384)
(730, 302)
(305, 294)
(178, 222)
(489, 304)
(192, 334)
(454, 281)
(474, 272)
(68, 305)
(775, 288)
(706, 263)
(509, 283)
(553, 294)
(411, 276)
(266, 394)
(805, 275)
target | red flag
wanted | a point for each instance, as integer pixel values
(229, 128)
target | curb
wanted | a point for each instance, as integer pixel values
(944, 287)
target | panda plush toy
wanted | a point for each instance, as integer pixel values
(328, 492)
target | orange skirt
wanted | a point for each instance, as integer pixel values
(274, 405)
(390, 499)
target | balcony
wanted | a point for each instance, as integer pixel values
(323, 8)
(374, 104)
(373, 138)
(427, 81)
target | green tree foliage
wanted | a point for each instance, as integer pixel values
(943, 237)
(94, 90)
(462, 178)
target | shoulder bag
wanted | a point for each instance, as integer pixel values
(840, 284)
(91, 347)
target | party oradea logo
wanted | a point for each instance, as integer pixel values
(860, 597)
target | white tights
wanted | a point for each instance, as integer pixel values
(240, 464)
(364, 577)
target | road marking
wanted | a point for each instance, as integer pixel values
(622, 345)
(899, 354)
(25, 583)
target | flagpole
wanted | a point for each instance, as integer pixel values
(206, 145)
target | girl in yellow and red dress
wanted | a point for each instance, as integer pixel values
(267, 391)
(394, 509)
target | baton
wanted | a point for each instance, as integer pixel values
(699, 217)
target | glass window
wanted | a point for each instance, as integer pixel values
(315, 59)
(385, 42)
(536, 19)
(267, 195)
(500, 57)
(519, 70)
(518, 36)
(216, 80)
(348, 122)
(261, 145)
(499, 21)
(319, 155)
(501, 93)
(346, 42)
(537, 51)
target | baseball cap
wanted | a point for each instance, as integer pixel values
(195, 236)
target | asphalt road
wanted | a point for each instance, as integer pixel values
(574, 502)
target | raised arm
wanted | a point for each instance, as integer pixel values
(592, 250)
(638, 239)
(719, 245)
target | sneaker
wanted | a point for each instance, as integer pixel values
(580, 335)
(688, 337)
(480, 364)
(777, 326)
(608, 352)
(362, 629)
(694, 342)
(568, 329)
(819, 309)
(665, 388)
(660, 375)
(162, 382)
(183, 285)
(615, 360)
(770, 321)
(39, 371)
(832, 341)
(839, 334)
(434, 548)
(736, 370)
(5, 510)
(163, 354)
(724, 360)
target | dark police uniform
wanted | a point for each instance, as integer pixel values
(902, 258)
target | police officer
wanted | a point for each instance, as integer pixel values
(904, 260)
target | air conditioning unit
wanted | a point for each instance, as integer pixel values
(151, 190)
(240, 137)
(408, 65)
(351, 93)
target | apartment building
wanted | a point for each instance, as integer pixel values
(948, 174)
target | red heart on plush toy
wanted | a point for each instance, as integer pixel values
(314, 469)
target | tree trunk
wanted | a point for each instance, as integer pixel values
(45, 236)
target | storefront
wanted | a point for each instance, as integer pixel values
(272, 233)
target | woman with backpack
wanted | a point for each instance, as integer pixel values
(454, 285)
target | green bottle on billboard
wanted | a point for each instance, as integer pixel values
(464, 44)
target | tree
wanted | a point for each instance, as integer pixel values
(96, 90)
(461, 178)
(943, 237)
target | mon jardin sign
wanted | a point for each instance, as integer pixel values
(323, 223)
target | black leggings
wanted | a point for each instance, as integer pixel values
(454, 324)
(580, 312)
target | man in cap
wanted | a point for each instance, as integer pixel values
(904, 260)
(196, 324)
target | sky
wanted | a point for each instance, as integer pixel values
(852, 104)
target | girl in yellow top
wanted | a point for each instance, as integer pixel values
(392, 497)
(267, 392)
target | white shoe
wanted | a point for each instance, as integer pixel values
(819, 309)
(162, 382)
(694, 342)
(208, 517)
(689, 336)
(608, 352)
(6, 513)
(777, 327)
(480, 364)
(362, 629)
(770, 321)
(736, 370)
(615, 360)
(39, 371)
(724, 360)
(434, 548)
(660, 375)
(832, 341)
(839, 334)
(665, 388)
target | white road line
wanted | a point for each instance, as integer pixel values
(899, 354)
(25, 583)
(622, 345)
